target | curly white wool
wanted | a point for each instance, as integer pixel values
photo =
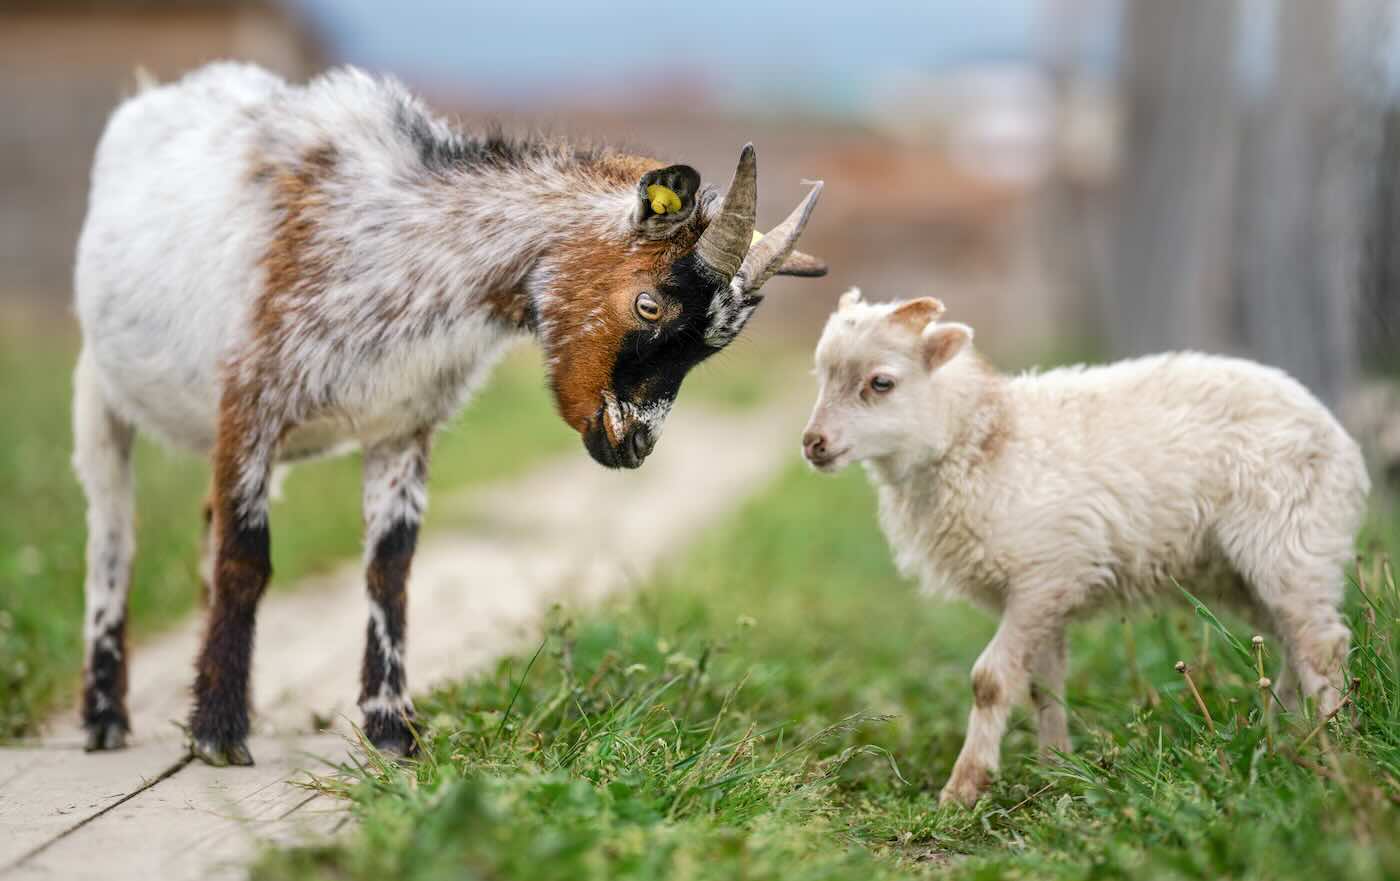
(1047, 495)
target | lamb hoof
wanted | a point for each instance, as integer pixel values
(221, 757)
(958, 796)
(964, 788)
(102, 736)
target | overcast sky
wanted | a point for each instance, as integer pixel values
(819, 53)
(805, 53)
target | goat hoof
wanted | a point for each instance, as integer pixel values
(391, 735)
(396, 747)
(220, 756)
(238, 755)
(102, 736)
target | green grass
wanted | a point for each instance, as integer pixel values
(779, 705)
(509, 426)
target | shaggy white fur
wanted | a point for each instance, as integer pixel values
(271, 271)
(1048, 495)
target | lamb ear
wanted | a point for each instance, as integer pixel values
(917, 314)
(665, 200)
(941, 342)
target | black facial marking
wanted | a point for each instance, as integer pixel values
(595, 440)
(652, 362)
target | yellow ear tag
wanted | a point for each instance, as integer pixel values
(663, 199)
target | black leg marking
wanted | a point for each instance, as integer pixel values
(387, 709)
(104, 689)
(220, 721)
(102, 445)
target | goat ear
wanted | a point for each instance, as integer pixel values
(941, 342)
(665, 200)
(848, 299)
(803, 265)
(917, 314)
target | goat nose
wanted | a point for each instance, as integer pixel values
(814, 444)
(642, 443)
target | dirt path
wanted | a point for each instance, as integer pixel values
(570, 532)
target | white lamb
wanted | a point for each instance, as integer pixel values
(1046, 496)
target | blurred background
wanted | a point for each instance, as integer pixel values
(1078, 179)
(1095, 177)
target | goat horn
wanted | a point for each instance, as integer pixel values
(726, 239)
(768, 253)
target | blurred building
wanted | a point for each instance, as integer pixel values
(63, 65)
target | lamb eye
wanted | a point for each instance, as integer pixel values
(881, 384)
(647, 307)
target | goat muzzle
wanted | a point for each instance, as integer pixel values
(630, 452)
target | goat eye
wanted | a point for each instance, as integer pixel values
(881, 384)
(647, 307)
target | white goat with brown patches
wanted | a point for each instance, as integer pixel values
(1043, 497)
(269, 272)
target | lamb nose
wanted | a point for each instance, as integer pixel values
(814, 444)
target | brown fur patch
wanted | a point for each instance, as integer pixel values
(241, 430)
(294, 275)
(986, 688)
(994, 441)
(387, 579)
(293, 270)
(623, 168)
(590, 315)
(916, 314)
(510, 306)
(942, 345)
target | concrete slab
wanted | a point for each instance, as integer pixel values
(198, 822)
(46, 791)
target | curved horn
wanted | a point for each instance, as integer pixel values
(726, 240)
(768, 253)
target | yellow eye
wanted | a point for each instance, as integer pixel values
(647, 307)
